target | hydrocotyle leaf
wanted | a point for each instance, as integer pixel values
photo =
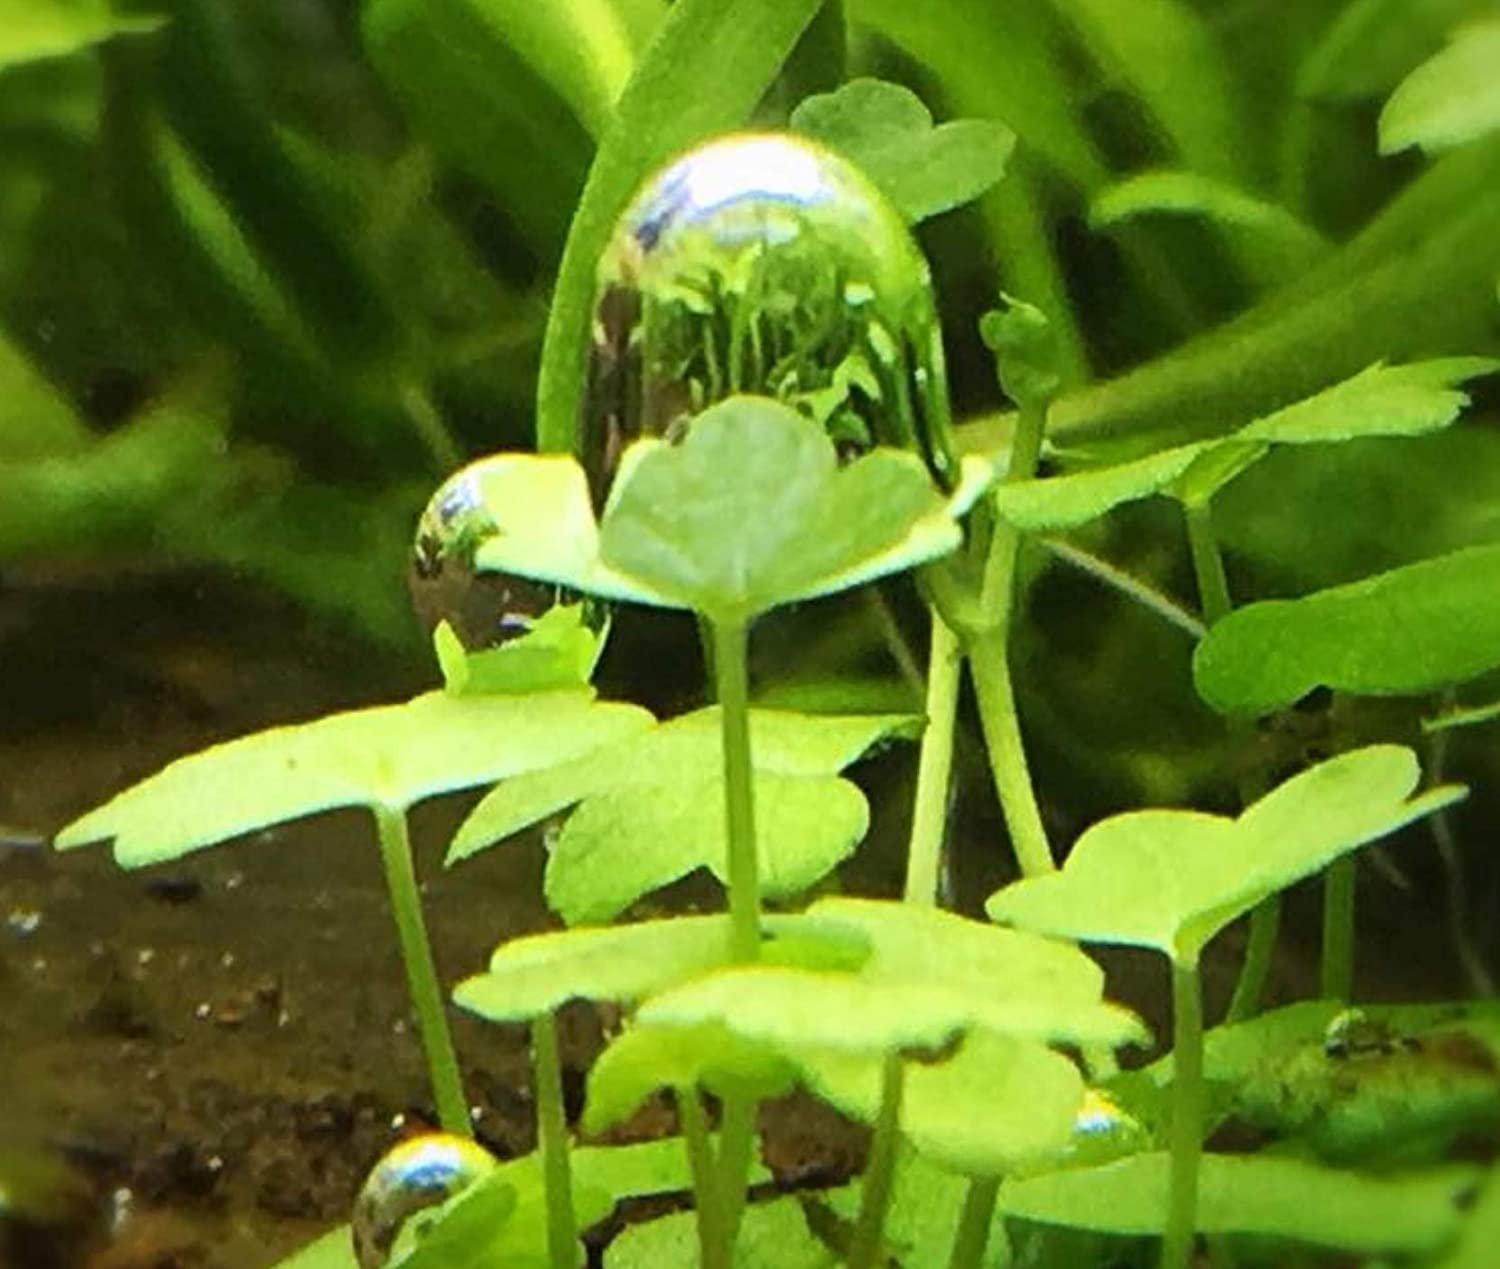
(1171, 880)
(1413, 629)
(1451, 98)
(392, 755)
(772, 1235)
(1254, 1194)
(752, 510)
(889, 133)
(684, 750)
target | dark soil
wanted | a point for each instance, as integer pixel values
(199, 1062)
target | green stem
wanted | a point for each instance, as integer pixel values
(427, 421)
(1186, 1140)
(1208, 564)
(1260, 950)
(552, 1141)
(929, 817)
(974, 1223)
(1337, 976)
(421, 973)
(736, 1142)
(731, 677)
(700, 1153)
(875, 1193)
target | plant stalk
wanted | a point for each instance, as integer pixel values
(929, 817)
(700, 1152)
(552, 1141)
(974, 1222)
(1337, 969)
(1265, 920)
(1186, 1140)
(875, 1193)
(989, 665)
(736, 1142)
(732, 681)
(421, 973)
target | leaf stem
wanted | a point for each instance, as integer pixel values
(700, 1152)
(1260, 950)
(736, 1141)
(421, 973)
(1337, 969)
(1186, 1139)
(929, 817)
(1208, 563)
(731, 677)
(875, 1193)
(974, 1223)
(552, 1141)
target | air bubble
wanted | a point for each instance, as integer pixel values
(417, 1174)
(764, 263)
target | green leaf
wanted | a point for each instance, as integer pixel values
(1267, 1195)
(333, 1250)
(35, 418)
(462, 1235)
(1409, 400)
(624, 843)
(1171, 880)
(888, 132)
(1413, 629)
(1031, 1096)
(1462, 716)
(1451, 98)
(685, 749)
(645, 1058)
(1372, 44)
(707, 67)
(392, 755)
(1027, 356)
(1281, 242)
(1480, 1233)
(559, 651)
(772, 1236)
(751, 510)
(31, 30)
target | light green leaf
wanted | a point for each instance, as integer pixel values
(751, 510)
(333, 1250)
(646, 1058)
(392, 755)
(1381, 400)
(1413, 629)
(31, 30)
(1462, 716)
(622, 844)
(1451, 98)
(1282, 1197)
(559, 651)
(1029, 1095)
(888, 132)
(685, 749)
(1028, 358)
(772, 1236)
(1285, 242)
(36, 419)
(1065, 502)
(1373, 44)
(462, 1236)
(1171, 880)
(1480, 1233)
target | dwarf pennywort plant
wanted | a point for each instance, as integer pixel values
(744, 358)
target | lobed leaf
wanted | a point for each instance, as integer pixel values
(391, 755)
(885, 128)
(1171, 880)
(558, 651)
(1065, 502)
(1254, 1194)
(1451, 98)
(685, 749)
(1414, 629)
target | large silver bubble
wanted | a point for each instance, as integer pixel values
(419, 1173)
(764, 263)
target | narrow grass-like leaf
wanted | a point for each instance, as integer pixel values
(922, 169)
(1462, 716)
(625, 843)
(751, 510)
(1255, 1194)
(1171, 880)
(1283, 243)
(685, 749)
(1373, 44)
(1451, 98)
(1414, 629)
(393, 755)
(995, 1105)
(705, 70)
(32, 31)
(772, 1235)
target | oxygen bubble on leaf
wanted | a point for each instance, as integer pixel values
(423, 1172)
(485, 609)
(764, 263)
